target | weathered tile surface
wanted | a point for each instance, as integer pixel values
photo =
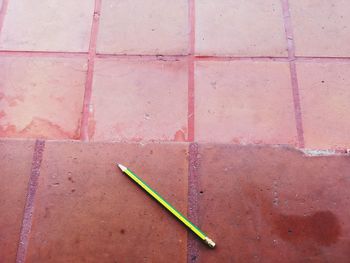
(41, 97)
(268, 204)
(139, 100)
(244, 102)
(87, 210)
(143, 27)
(15, 166)
(321, 28)
(47, 25)
(240, 28)
(325, 96)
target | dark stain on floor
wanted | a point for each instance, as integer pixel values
(321, 227)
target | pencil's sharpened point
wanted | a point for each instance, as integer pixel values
(122, 167)
(209, 242)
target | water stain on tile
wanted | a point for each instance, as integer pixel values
(321, 228)
(38, 128)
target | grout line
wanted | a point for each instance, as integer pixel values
(193, 188)
(3, 10)
(84, 131)
(191, 100)
(141, 56)
(223, 58)
(191, 71)
(72, 54)
(322, 59)
(293, 72)
(192, 245)
(29, 206)
(42, 53)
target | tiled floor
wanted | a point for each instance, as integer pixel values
(264, 204)
(144, 82)
(56, 51)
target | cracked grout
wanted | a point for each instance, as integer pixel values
(30, 201)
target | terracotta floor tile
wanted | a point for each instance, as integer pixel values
(240, 28)
(139, 100)
(261, 204)
(321, 28)
(143, 27)
(86, 210)
(15, 163)
(47, 25)
(244, 102)
(325, 96)
(41, 97)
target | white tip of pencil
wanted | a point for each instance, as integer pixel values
(122, 167)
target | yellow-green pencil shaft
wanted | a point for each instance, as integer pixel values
(168, 206)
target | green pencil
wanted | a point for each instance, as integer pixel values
(168, 206)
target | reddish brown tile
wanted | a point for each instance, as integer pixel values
(15, 163)
(240, 28)
(139, 100)
(47, 25)
(325, 96)
(244, 102)
(87, 210)
(41, 97)
(143, 27)
(266, 203)
(321, 27)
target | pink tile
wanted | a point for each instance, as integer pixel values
(47, 25)
(321, 28)
(139, 100)
(325, 96)
(240, 28)
(143, 27)
(41, 97)
(244, 102)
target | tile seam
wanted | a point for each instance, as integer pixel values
(30, 201)
(72, 54)
(191, 69)
(193, 188)
(293, 72)
(84, 133)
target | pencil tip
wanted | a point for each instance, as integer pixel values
(122, 167)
